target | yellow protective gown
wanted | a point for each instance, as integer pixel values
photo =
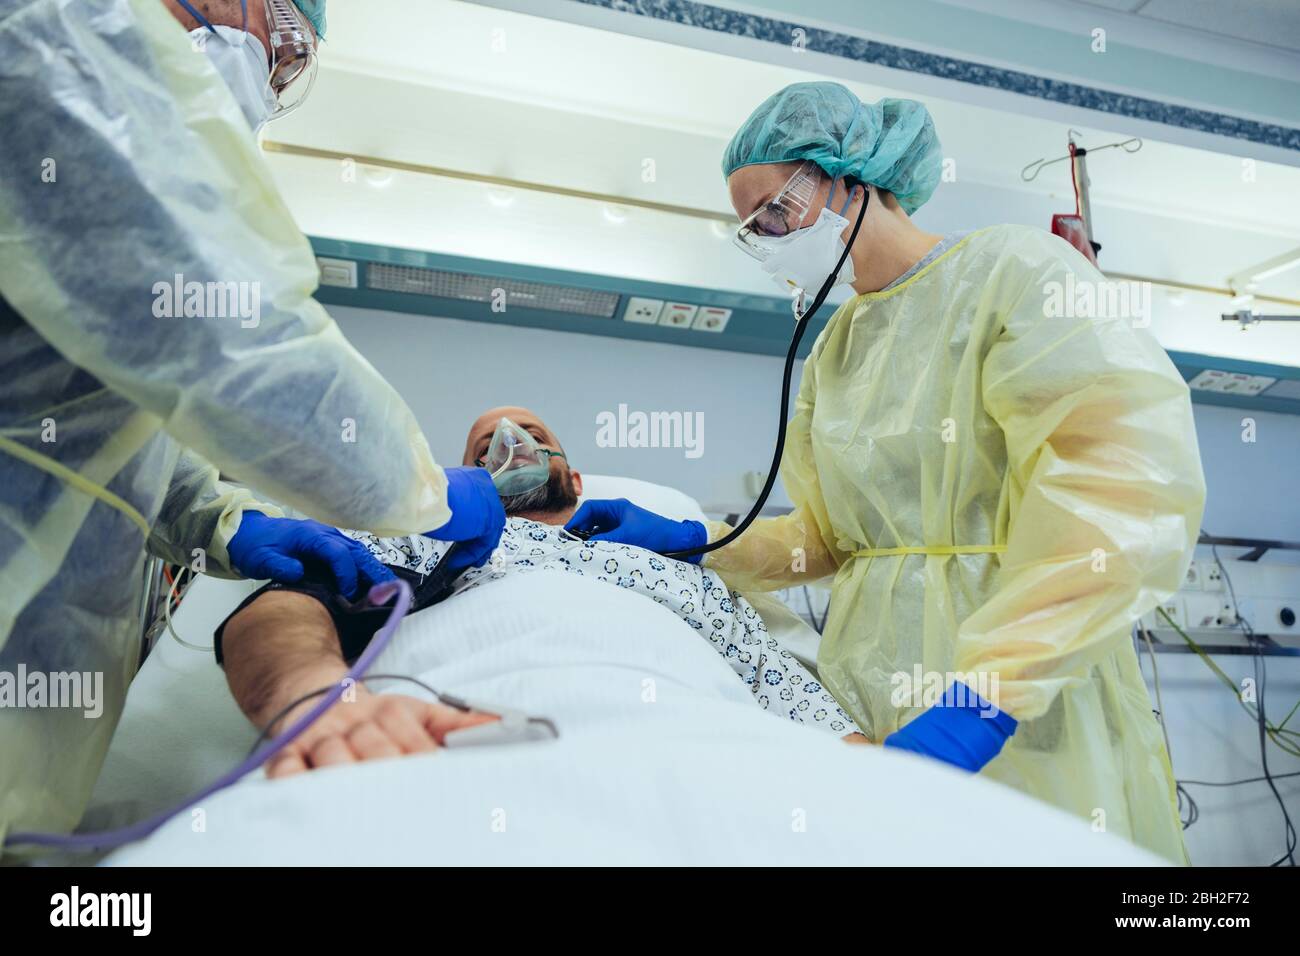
(1000, 490)
(127, 163)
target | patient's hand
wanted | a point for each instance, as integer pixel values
(369, 727)
(283, 645)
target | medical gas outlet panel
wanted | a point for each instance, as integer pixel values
(1267, 598)
(676, 315)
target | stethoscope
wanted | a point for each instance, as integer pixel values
(801, 326)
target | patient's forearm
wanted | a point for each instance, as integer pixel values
(280, 647)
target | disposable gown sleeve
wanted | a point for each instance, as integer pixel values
(1105, 485)
(130, 172)
(201, 511)
(794, 548)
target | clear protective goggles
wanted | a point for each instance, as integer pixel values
(515, 459)
(292, 50)
(782, 215)
(293, 55)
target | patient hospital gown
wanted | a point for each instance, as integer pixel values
(779, 682)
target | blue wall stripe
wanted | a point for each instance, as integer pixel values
(771, 30)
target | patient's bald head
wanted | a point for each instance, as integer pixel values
(552, 503)
(480, 433)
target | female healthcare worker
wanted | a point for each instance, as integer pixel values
(1000, 486)
(131, 174)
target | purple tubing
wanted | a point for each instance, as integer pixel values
(105, 839)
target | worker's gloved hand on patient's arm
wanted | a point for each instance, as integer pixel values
(963, 729)
(285, 549)
(622, 522)
(477, 517)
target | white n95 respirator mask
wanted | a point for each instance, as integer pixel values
(799, 257)
(242, 62)
(801, 261)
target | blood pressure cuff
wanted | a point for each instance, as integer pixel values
(355, 622)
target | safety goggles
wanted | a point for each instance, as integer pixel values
(783, 214)
(293, 54)
(292, 50)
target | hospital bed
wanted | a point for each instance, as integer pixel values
(663, 756)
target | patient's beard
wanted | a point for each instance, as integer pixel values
(554, 496)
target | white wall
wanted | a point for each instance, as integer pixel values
(449, 371)
(1252, 484)
(1212, 739)
(1251, 493)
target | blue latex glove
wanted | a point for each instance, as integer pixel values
(622, 522)
(283, 549)
(477, 517)
(955, 732)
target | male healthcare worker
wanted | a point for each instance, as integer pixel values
(1000, 483)
(130, 172)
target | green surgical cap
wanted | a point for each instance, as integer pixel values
(890, 144)
(313, 10)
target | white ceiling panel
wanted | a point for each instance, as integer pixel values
(493, 93)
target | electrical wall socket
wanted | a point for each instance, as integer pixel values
(337, 272)
(1227, 616)
(1174, 610)
(678, 315)
(1232, 383)
(711, 319)
(643, 310)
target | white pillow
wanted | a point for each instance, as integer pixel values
(660, 499)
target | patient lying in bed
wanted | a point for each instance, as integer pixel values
(286, 641)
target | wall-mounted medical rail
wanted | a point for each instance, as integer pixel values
(723, 218)
(1259, 546)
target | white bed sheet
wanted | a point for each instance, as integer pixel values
(181, 729)
(698, 775)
